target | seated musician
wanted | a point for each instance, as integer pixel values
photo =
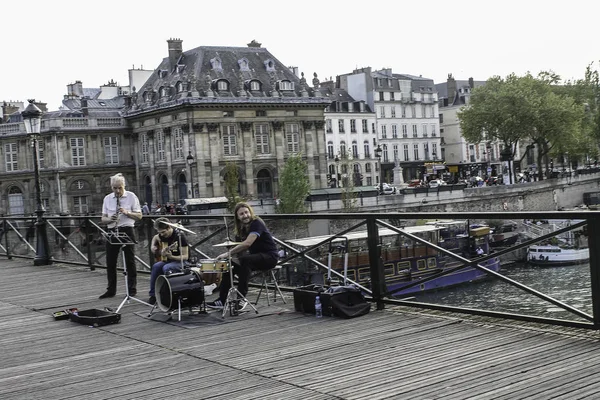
(257, 251)
(169, 257)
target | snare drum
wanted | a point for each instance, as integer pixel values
(211, 270)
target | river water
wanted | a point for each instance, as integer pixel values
(568, 284)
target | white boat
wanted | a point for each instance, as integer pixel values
(551, 255)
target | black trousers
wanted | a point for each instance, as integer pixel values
(112, 255)
(243, 270)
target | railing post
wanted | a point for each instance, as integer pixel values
(149, 235)
(5, 233)
(375, 262)
(594, 249)
(88, 240)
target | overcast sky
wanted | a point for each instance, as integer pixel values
(48, 44)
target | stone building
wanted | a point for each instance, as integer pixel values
(196, 112)
(207, 107)
(406, 121)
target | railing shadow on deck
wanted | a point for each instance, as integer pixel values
(78, 240)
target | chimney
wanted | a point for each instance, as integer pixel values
(471, 83)
(175, 50)
(78, 88)
(451, 83)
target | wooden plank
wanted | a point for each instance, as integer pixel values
(385, 354)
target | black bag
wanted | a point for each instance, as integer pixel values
(348, 302)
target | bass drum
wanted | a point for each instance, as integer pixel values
(186, 288)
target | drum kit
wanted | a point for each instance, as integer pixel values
(186, 289)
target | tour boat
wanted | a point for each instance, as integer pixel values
(407, 262)
(552, 255)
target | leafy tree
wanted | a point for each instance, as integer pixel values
(294, 186)
(586, 93)
(232, 178)
(522, 109)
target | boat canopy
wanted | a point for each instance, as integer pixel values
(313, 240)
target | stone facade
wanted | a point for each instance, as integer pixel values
(211, 106)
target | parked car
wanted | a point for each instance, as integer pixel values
(415, 183)
(435, 183)
(387, 189)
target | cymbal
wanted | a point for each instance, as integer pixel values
(179, 226)
(227, 243)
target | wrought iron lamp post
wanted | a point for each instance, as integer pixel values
(190, 161)
(32, 118)
(378, 152)
(337, 171)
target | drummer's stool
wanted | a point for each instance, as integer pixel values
(269, 274)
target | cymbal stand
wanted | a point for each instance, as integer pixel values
(234, 296)
(122, 239)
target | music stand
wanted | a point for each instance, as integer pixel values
(117, 238)
(233, 295)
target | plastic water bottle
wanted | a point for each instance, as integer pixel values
(318, 307)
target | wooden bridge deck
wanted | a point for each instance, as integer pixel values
(277, 354)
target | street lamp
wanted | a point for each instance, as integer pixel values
(337, 171)
(378, 152)
(32, 118)
(434, 155)
(190, 161)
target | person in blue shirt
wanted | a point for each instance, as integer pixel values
(256, 252)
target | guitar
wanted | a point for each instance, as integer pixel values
(163, 249)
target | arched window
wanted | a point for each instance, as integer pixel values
(164, 190)
(330, 150)
(343, 149)
(264, 184)
(367, 149)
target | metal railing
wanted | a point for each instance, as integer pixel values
(79, 241)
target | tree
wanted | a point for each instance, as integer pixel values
(521, 109)
(586, 93)
(294, 186)
(232, 178)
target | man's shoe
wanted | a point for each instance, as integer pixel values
(217, 305)
(132, 292)
(107, 294)
(152, 300)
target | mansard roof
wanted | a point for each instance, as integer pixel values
(340, 100)
(223, 75)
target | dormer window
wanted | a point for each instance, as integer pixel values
(244, 65)
(179, 87)
(180, 68)
(220, 85)
(162, 73)
(285, 85)
(163, 92)
(216, 64)
(253, 85)
(270, 65)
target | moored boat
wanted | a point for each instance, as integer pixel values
(555, 255)
(406, 261)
